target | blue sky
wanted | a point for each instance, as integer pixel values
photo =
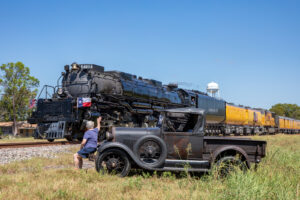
(251, 48)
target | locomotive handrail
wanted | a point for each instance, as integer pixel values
(47, 93)
(59, 80)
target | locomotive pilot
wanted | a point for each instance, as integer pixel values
(88, 144)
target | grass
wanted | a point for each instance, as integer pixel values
(278, 177)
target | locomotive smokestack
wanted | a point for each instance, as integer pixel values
(67, 68)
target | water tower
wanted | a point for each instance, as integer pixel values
(213, 89)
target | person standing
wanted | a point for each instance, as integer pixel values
(89, 142)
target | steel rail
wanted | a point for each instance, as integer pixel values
(35, 144)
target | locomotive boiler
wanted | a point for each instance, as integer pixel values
(87, 91)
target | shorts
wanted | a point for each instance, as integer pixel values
(84, 152)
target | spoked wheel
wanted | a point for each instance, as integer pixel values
(113, 161)
(229, 164)
(151, 151)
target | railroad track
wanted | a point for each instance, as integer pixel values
(34, 144)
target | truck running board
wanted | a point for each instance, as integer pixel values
(190, 165)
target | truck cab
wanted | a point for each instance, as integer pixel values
(178, 143)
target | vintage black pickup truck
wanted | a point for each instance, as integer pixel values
(175, 146)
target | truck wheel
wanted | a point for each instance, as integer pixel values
(113, 161)
(229, 164)
(151, 151)
(50, 140)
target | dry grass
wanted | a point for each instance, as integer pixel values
(278, 177)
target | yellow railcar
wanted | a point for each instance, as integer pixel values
(258, 118)
(255, 117)
(281, 123)
(290, 123)
(269, 119)
(287, 123)
(263, 118)
(294, 124)
(245, 120)
(236, 115)
(250, 121)
(298, 124)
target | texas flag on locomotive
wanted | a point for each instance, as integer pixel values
(83, 102)
(32, 103)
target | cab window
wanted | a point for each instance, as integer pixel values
(180, 123)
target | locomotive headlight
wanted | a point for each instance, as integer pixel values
(109, 136)
(60, 91)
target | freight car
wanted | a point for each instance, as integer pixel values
(245, 121)
(242, 120)
(288, 125)
(123, 99)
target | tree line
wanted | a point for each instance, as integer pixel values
(18, 87)
(287, 110)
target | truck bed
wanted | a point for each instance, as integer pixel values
(255, 149)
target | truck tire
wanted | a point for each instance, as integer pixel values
(151, 151)
(113, 161)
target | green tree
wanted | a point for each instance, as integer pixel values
(287, 110)
(18, 88)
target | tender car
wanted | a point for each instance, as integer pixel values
(177, 144)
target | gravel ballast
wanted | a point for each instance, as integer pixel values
(18, 154)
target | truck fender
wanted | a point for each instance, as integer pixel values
(234, 148)
(111, 145)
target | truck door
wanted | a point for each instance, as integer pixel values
(182, 143)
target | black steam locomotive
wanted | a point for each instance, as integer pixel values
(122, 99)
